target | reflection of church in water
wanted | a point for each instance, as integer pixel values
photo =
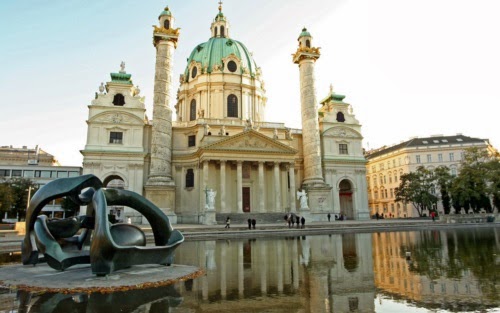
(221, 140)
(298, 274)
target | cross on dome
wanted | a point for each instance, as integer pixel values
(220, 6)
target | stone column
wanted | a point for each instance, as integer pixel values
(223, 186)
(277, 187)
(161, 143)
(262, 184)
(239, 185)
(160, 187)
(305, 58)
(291, 173)
(204, 185)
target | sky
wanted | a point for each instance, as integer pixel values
(408, 67)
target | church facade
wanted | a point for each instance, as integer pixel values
(220, 144)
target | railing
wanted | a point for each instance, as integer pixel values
(470, 218)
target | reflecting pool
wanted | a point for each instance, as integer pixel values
(434, 270)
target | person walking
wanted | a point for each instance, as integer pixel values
(249, 224)
(228, 222)
(253, 223)
(328, 216)
(303, 221)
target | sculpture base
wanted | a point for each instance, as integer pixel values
(320, 199)
(81, 279)
(164, 198)
(209, 218)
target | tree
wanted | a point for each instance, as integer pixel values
(69, 206)
(20, 188)
(416, 187)
(493, 167)
(470, 189)
(6, 198)
(444, 181)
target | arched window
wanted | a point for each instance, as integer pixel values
(215, 31)
(119, 100)
(166, 24)
(308, 43)
(340, 117)
(222, 32)
(192, 110)
(190, 178)
(232, 106)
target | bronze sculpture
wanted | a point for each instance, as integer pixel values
(106, 247)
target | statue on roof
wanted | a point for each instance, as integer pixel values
(122, 67)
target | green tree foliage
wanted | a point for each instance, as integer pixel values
(416, 188)
(20, 187)
(444, 181)
(471, 188)
(6, 198)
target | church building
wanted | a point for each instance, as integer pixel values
(220, 157)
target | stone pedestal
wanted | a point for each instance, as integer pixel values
(164, 198)
(319, 201)
(209, 218)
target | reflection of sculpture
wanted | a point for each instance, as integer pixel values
(302, 195)
(161, 298)
(112, 247)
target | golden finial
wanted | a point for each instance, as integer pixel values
(220, 6)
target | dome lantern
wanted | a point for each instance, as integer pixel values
(220, 25)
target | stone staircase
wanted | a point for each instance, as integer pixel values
(242, 218)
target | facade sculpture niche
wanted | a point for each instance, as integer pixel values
(91, 238)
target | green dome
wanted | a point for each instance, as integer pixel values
(166, 12)
(304, 33)
(217, 48)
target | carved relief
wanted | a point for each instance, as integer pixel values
(342, 132)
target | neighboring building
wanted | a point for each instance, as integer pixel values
(221, 140)
(386, 165)
(38, 166)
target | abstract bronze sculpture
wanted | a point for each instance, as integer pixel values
(106, 247)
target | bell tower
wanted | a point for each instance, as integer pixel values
(160, 187)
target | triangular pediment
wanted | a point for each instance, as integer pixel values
(250, 141)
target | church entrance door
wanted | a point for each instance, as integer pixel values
(246, 199)
(345, 195)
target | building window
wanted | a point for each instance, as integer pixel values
(375, 194)
(166, 24)
(222, 31)
(232, 106)
(192, 110)
(308, 43)
(390, 179)
(388, 164)
(116, 137)
(215, 32)
(418, 159)
(429, 158)
(440, 157)
(452, 156)
(29, 174)
(374, 181)
(4, 173)
(17, 173)
(395, 176)
(394, 163)
(194, 72)
(119, 100)
(453, 171)
(231, 66)
(340, 117)
(190, 178)
(343, 148)
(192, 141)
(392, 193)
